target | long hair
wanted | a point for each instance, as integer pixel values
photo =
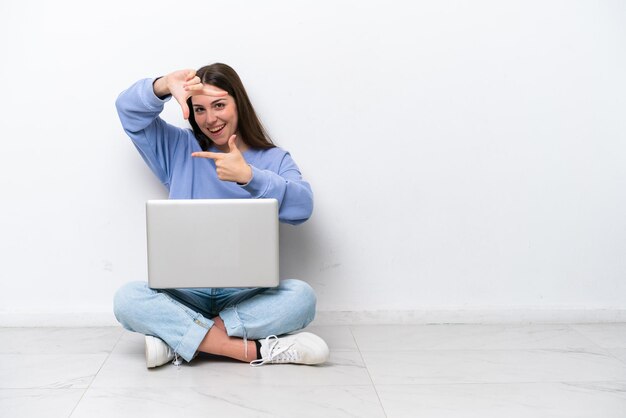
(250, 129)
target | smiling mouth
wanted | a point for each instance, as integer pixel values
(217, 129)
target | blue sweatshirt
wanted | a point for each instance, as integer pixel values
(167, 151)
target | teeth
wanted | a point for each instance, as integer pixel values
(216, 129)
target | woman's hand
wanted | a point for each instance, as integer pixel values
(183, 84)
(230, 166)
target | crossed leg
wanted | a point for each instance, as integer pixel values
(180, 318)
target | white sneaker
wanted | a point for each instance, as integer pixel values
(303, 348)
(157, 352)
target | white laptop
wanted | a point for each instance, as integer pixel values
(212, 243)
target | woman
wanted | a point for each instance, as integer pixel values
(227, 154)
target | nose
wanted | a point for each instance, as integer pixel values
(210, 117)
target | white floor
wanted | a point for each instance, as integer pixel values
(375, 371)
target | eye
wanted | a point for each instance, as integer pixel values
(198, 110)
(220, 105)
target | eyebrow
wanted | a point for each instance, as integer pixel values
(212, 103)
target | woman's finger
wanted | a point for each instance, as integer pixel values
(203, 91)
(206, 154)
(194, 87)
(193, 82)
(185, 108)
(210, 90)
(191, 74)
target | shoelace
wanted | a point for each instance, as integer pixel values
(177, 362)
(275, 353)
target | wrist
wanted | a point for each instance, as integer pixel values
(160, 87)
(247, 178)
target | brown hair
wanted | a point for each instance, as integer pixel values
(250, 129)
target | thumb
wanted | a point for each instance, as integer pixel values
(190, 74)
(232, 143)
(185, 108)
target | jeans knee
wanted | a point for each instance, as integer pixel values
(305, 299)
(125, 300)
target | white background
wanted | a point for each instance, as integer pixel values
(465, 156)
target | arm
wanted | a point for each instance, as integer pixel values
(294, 194)
(285, 184)
(139, 108)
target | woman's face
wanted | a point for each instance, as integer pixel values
(216, 117)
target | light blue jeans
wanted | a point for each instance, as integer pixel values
(182, 317)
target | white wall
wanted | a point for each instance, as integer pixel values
(466, 157)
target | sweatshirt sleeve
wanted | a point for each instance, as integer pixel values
(139, 108)
(294, 195)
